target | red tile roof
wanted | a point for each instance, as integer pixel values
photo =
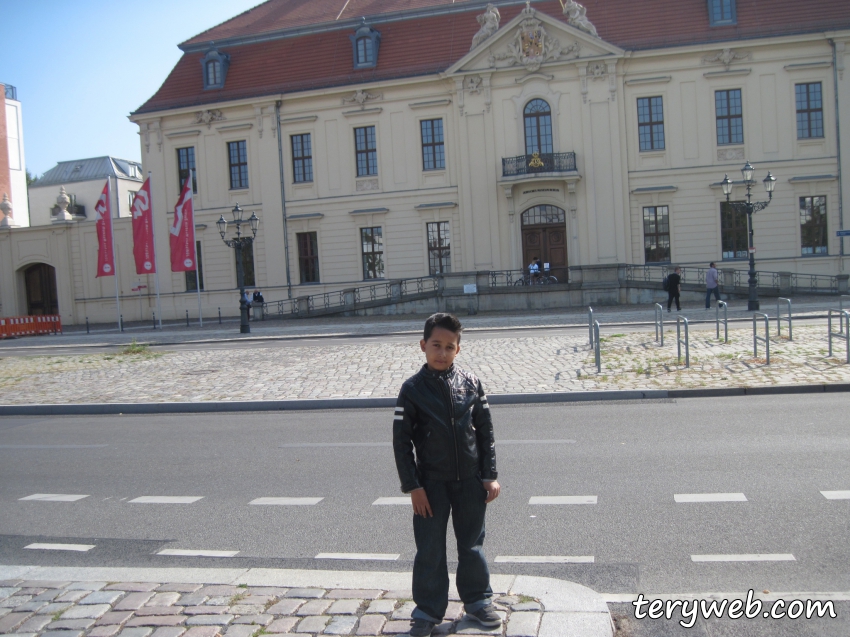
(430, 44)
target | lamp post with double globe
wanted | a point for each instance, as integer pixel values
(239, 242)
(749, 208)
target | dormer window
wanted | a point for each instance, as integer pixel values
(365, 42)
(722, 13)
(214, 65)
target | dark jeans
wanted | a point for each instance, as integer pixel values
(464, 499)
(708, 292)
(673, 294)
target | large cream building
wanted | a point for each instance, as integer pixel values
(380, 140)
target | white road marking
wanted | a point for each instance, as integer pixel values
(709, 497)
(537, 442)
(745, 557)
(836, 495)
(544, 559)
(405, 499)
(201, 553)
(287, 501)
(61, 547)
(385, 557)
(54, 497)
(563, 499)
(165, 499)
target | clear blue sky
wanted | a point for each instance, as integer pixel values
(81, 66)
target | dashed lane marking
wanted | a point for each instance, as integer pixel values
(165, 499)
(392, 501)
(563, 499)
(709, 497)
(54, 497)
(287, 501)
(52, 446)
(544, 559)
(745, 557)
(60, 547)
(383, 557)
(199, 553)
(836, 495)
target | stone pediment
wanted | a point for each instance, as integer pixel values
(531, 40)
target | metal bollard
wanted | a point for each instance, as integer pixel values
(764, 339)
(659, 323)
(219, 316)
(154, 320)
(679, 320)
(87, 325)
(590, 324)
(187, 318)
(843, 332)
(121, 322)
(725, 321)
(780, 318)
(597, 354)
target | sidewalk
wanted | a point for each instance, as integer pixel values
(206, 602)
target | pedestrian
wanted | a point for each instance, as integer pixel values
(711, 286)
(442, 415)
(258, 297)
(534, 270)
(247, 301)
(674, 288)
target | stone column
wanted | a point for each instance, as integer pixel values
(63, 201)
(784, 282)
(6, 208)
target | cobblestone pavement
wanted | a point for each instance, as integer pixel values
(507, 365)
(141, 609)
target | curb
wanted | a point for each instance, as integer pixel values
(569, 608)
(104, 409)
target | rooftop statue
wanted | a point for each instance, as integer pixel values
(489, 21)
(577, 17)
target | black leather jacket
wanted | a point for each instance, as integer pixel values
(445, 416)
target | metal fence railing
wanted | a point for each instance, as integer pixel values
(538, 163)
(767, 281)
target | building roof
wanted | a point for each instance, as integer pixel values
(286, 46)
(66, 172)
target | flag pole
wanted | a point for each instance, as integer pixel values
(195, 246)
(155, 266)
(114, 256)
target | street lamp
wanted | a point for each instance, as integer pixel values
(238, 243)
(749, 207)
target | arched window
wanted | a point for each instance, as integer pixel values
(365, 53)
(213, 72)
(538, 127)
(365, 41)
(214, 66)
(543, 215)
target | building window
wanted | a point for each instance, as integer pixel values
(813, 237)
(364, 51)
(433, 147)
(213, 72)
(538, 127)
(185, 164)
(733, 232)
(214, 65)
(248, 278)
(730, 119)
(308, 256)
(656, 234)
(651, 123)
(809, 110)
(190, 274)
(302, 158)
(439, 248)
(237, 153)
(366, 151)
(722, 12)
(365, 42)
(372, 242)
(131, 197)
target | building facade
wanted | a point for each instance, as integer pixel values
(13, 178)
(472, 136)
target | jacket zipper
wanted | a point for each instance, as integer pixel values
(454, 433)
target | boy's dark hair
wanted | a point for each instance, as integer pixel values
(446, 321)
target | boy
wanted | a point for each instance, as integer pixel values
(442, 413)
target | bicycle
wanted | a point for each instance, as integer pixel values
(538, 279)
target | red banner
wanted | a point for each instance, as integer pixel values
(103, 225)
(143, 248)
(182, 231)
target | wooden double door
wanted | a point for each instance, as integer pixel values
(544, 235)
(40, 282)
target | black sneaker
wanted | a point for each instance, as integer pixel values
(486, 616)
(421, 628)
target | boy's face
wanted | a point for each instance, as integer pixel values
(440, 349)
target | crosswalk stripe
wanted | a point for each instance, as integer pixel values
(384, 557)
(709, 497)
(200, 553)
(544, 559)
(405, 499)
(287, 501)
(54, 497)
(836, 495)
(745, 557)
(563, 499)
(165, 499)
(46, 546)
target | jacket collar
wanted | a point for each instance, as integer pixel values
(448, 373)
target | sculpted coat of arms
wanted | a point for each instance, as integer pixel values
(532, 46)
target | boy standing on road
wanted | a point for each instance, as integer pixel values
(442, 413)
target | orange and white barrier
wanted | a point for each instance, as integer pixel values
(13, 326)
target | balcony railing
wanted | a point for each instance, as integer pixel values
(538, 163)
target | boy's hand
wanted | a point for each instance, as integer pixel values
(493, 490)
(419, 500)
